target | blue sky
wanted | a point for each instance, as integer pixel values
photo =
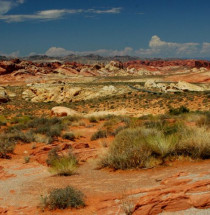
(146, 28)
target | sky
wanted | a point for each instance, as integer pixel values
(144, 28)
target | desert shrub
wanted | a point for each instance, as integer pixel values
(6, 146)
(3, 121)
(110, 126)
(69, 119)
(42, 138)
(63, 198)
(99, 134)
(18, 127)
(73, 118)
(178, 111)
(163, 125)
(162, 145)
(69, 136)
(204, 120)
(93, 119)
(27, 159)
(16, 135)
(20, 120)
(64, 165)
(195, 143)
(129, 150)
(52, 155)
(146, 147)
(29, 136)
(50, 130)
(118, 129)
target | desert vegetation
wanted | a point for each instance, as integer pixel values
(63, 198)
(63, 165)
(158, 141)
(111, 140)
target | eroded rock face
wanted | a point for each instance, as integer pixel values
(7, 66)
(64, 93)
(166, 63)
(45, 93)
(177, 193)
(181, 86)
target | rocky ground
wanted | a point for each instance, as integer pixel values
(135, 89)
(26, 71)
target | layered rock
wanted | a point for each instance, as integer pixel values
(65, 93)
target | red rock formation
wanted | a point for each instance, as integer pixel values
(164, 63)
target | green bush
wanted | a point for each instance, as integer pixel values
(68, 197)
(69, 136)
(20, 120)
(6, 147)
(3, 121)
(39, 129)
(99, 134)
(146, 147)
(129, 150)
(178, 111)
(93, 119)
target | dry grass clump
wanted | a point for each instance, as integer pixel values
(147, 147)
(128, 150)
(64, 165)
(63, 198)
(195, 143)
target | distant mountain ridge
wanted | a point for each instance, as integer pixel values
(90, 59)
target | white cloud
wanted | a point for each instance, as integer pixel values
(7, 5)
(13, 54)
(159, 48)
(156, 48)
(206, 49)
(112, 10)
(52, 14)
(56, 52)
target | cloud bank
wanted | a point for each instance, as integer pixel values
(156, 48)
(45, 15)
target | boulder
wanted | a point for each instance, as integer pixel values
(63, 111)
(109, 89)
(150, 84)
(3, 95)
